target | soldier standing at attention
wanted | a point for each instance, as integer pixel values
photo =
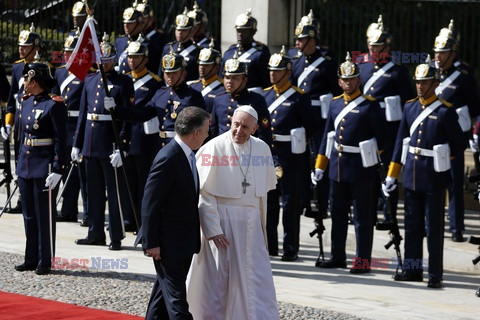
(252, 53)
(429, 135)
(390, 84)
(355, 132)
(133, 26)
(41, 161)
(290, 110)
(94, 139)
(459, 87)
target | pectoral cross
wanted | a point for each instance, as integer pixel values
(245, 184)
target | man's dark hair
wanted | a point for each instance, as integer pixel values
(189, 120)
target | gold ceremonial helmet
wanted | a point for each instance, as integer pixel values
(234, 66)
(209, 55)
(280, 61)
(348, 69)
(376, 33)
(425, 71)
(81, 9)
(447, 39)
(172, 62)
(246, 21)
(183, 21)
(29, 37)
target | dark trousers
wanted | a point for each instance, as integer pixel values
(101, 175)
(290, 190)
(424, 212)
(169, 294)
(456, 210)
(75, 184)
(363, 197)
(39, 223)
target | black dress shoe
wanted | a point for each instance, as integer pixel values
(435, 283)
(457, 237)
(91, 242)
(408, 276)
(115, 245)
(25, 267)
(42, 271)
(130, 228)
(359, 270)
(330, 264)
(289, 257)
(84, 223)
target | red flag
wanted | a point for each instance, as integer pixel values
(86, 53)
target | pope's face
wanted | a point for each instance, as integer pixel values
(243, 126)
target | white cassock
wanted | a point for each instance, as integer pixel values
(237, 282)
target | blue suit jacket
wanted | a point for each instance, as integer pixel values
(170, 216)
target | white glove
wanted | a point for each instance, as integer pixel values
(109, 103)
(316, 176)
(75, 155)
(6, 131)
(474, 143)
(52, 180)
(388, 186)
(116, 159)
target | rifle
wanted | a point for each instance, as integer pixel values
(319, 229)
(6, 166)
(394, 232)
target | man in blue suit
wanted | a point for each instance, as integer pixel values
(170, 220)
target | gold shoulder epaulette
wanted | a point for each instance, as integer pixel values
(49, 65)
(338, 97)
(154, 76)
(19, 61)
(327, 57)
(60, 67)
(56, 98)
(412, 100)
(266, 89)
(369, 97)
(445, 102)
(299, 90)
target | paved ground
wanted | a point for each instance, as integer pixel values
(374, 296)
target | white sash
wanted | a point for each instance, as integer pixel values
(210, 87)
(150, 34)
(281, 99)
(424, 114)
(309, 70)
(445, 83)
(202, 41)
(377, 75)
(20, 82)
(185, 52)
(347, 109)
(247, 54)
(66, 82)
(120, 60)
(142, 81)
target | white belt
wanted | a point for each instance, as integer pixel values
(38, 142)
(73, 113)
(344, 148)
(282, 137)
(420, 151)
(167, 134)
(99, 117)
(316, 103)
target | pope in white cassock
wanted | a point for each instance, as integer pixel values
(231, 277)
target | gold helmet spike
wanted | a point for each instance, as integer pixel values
(105, 37)
(235, 56)
(185, 11)
(428, 60)
(195, 6)
(310, 15)
(451, 25)
(32, 28)
(171, 51)
(249, 12)
(77, 32)
(211, 45)
(36, 58)
(135, 4)
(283, 52)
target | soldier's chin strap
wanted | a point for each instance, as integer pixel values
(179, 81)
(448, 57)
(306, 42)
(135, 67)
(26, 56)
(280, 80)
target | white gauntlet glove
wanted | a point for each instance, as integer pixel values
(5, 131)
(109, 103)
(317, 176)
(388, 186)
(75, 154)
(116, 158)
(52, 180)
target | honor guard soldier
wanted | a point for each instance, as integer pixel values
(428, 136)
(70, 88)
(80, 11)
(200, 27)
(133, 26)
(292, 118)
(390, 84)
(315, 72)
(184, 45)
(459, 87)
(209, 84)
(355, 127)
(236, 93)
(162, 110)
(29, 42)
(143, 147)
(252, 53)
(94, 138)
(41, 161)
(155, 40)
